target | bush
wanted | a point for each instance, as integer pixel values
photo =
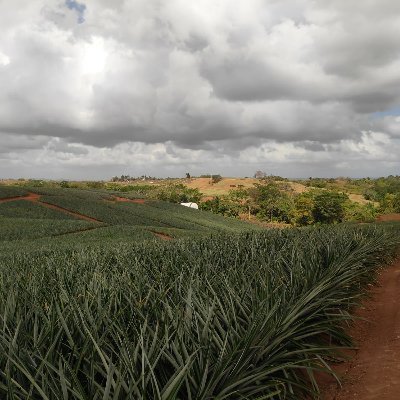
(329, 207)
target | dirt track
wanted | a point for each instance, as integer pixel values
(374, 372)
(389, 217)
(162, 236)
(126, 200)
(29, 197)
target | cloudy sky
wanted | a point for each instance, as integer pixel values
(95, 88)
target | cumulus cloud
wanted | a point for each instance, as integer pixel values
(286, 86)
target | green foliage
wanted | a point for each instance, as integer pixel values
(396, 203)
(304, 204)
(95, 184)
(178, 193)
(329, 207)
(360, 212)
(383, 190)
(271, 202)
(141, 190)
(221, 205)
(64, 184)
(241, 317)
(387, 203)
(216, 178)
(317, 182)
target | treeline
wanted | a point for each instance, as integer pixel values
(276, 202)
(384, 190)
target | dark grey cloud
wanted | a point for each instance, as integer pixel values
(188, 82)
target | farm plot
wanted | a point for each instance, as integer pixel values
(245, 316)
(12, 191)
(29, 209)
(21, 228)
(203, 219)
(151, 213)
(120, 221)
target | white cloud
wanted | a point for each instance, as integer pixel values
(265, 83)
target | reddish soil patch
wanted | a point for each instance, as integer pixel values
(125, 200)
(29, 197)
(162, 236)
(374, 371)
(389, 217)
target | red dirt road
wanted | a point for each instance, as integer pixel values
(374, 372)
(125, 200)
(29, 197)
(162, 236)
(389, 217)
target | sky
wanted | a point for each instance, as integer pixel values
(90, 89)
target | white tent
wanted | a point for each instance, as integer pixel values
(190, 205)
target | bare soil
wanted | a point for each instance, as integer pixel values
(29, 197)
(125, 200)
(389, 217)
(162, 236)
(374, 370)
(210, 190)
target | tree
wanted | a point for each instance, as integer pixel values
(396, 203)
(260, 174)
(272, 203)
(221, 205)
(329, 207)
(179, 193)
(304, 204)
(216, 178)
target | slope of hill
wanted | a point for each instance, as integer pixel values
(86, 216)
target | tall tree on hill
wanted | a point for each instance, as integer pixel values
(329, 207)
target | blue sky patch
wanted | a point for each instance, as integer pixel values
(395, 111)
(79, 8)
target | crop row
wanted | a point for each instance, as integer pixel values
(29, 209)
(21, 228)
(152, 213)
(245, 316)
(11, 191)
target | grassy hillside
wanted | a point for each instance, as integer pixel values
(90, 216)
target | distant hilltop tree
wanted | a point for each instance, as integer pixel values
(216, 178)
(260, 174)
